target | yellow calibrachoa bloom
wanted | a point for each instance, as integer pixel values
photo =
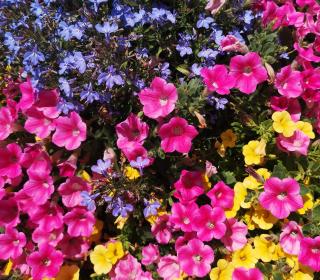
(240, 193)
(254, 152)
(306, 128)
(263, 218)
(282, 123)
(247, 218)
(100, 260)
(114, 251)
(131, 173)
(307, 203)
(265, 249)
(120, 221)
(228, 138)
(304, 273)
(85, 176)
(68, 272)
(152, 219)
(223, 271)
(206, 182)
(245, 257)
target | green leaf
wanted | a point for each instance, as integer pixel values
(304, 189)
(316, 214)
(229, 177)
(277, 276)
(280, 171)
(182, 69)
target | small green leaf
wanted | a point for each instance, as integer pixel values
(316, 214)
(280, 171)
(277, 276)
(229, 177)
(182, 69)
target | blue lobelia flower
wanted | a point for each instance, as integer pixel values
(33, 57)
(150, 208)
(88, 94)
(120, 207)
(88, 200)
(204, 21)
(102, 167)
(140, 163)
(110, 77)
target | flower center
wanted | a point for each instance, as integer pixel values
(215, 84)
(46, 262)
(75, 132)
(297, 143)
(315, 250)
(247, 70)
(285, 85)
(218, 194)
(210, 225)
(177, 131)
(16, 242)
(46, 122)
(135, 133)
(293, 233)
(163, 101)
(282, 196)
(46, 185)
(186, 221)
(197, 258)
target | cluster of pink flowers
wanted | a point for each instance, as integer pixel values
(39, 231)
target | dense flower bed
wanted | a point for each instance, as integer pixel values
(160, 140)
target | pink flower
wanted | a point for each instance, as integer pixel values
(131, 130)
(38, 123)
(39, 187)
(298, 143)
(162, 229)
(217, 79)
(288, 82)
(183, 215)
(184, 239)
(68, 168)
(281, 197)
(195, 258)
(73, 247)
(47, 103)
(214, 6)
(241, 273)
(150, 254)
(52, 237)
(247, 71)
(209, 223)
(307, 53)
(291, 105)
(127, 268)
(45, 263)
(10, 160)
(80, 222)
(71, 191)
(235, 237)
(169, 268)
(311, 78)
(310, 252)
(6, 123)
(9, 212)
(159, 100)
(48, 216)
(27, 95)
(290, 238)
(231, 43)
(221, 195)
(189, 186)
(70, 131)
(177, 135)
(12, 243)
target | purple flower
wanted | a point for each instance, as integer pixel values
(65, 87)
(89, 200)
(219, 103)
(208, 53)
(110, 77)
(33, 57)
(102, 167)
(88, 94)
(73, 61)
(140, 163)
(107, 28)
(150, 208)
(96, 4)
(119, 207)
(204, 21)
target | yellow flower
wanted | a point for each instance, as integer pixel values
(85, 175)
(131, 173)
(282, 123)
(304, 273)
(264, 173)
(7, 268)
(221, 149)
(306, 128)
(254, 152)
(240, 193)
(114, 251)
(152, 219)
(100, 260)
(248, 219)
(96, 233)
(307, 203)
(265, 248)
(228, 138)
(223, 271)
(68, 272)
(120, 221)
(263, 218)
(206, 182)
(245, 257)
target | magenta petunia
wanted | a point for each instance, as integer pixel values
(189, 186)
(195, 258)
(231, 43)
(12, 243)
(218, 79)
(52, 237)
(162, 229)
(248, 72)
(221, 195)
(27, 96)
(70, 131)
(9, 212)
(309, 254)
(68, 167)
(80, 222)
(150, 254)
(70, 191)
(177, 135)
(159, 100)
(297, 143)
(6, 123)
(288, 82)
(45, 263)
(127, 268)
(131, 130)
(241, 273)
(209, 223)
(10, 158)
(183, 216)
(281, 197)
(235, 236)
(74, 247)
(291, 237)
(169, 268)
